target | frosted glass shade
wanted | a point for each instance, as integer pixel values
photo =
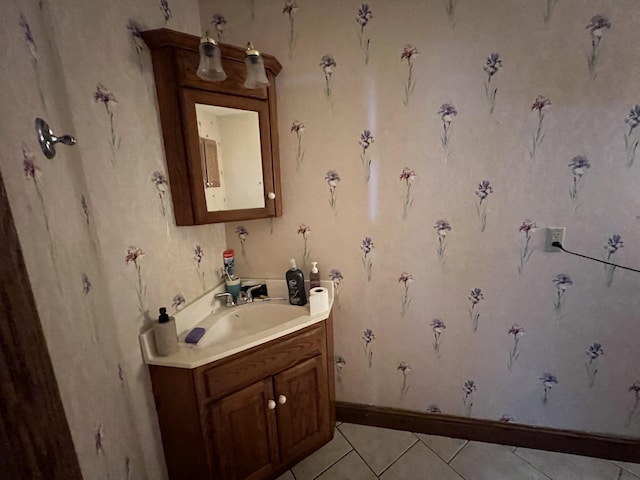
(256, 76)
(210, 67)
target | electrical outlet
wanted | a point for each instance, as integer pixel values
(554, 235)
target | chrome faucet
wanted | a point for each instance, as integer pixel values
(229, 299)
(250, 292)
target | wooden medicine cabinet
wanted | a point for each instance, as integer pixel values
(220, 138)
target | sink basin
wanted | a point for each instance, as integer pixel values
(246, 320)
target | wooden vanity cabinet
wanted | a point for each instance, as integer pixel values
(252, 415)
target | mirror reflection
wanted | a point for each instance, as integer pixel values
(231, 158)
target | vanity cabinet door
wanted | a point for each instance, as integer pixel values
(302, 394)
(243, 431)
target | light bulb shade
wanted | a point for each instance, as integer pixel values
(256, 75)
(210, 67)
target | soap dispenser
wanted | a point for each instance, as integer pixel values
(295, 284)
(165, 334)
(314, 277)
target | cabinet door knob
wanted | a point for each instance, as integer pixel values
(271, 404)
(282, 399)
(271, 196)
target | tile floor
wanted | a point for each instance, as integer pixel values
(359, 452)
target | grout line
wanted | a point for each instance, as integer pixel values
(622, 469)
(440, 456)
(341, 457)
(417, 440)
(457, 453)
(531, 465)
(354, 449)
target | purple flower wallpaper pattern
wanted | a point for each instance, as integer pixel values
(442, 228)
(447, 113)
(340, 363)
(404, 368)
(594, 352)
(563, 282)
(367, 247)
(438, 327)
(548, 12)
(469, 389)
(166, 11)
(366, 140)
(528, 227)
(104, 96)
(407, 176)
(198, 255)
(492, 66)
(178, 301)
(135, 30)
(332, 178)
(405, 280)
(367, 338)
(630, 140)
(336, 277)
(364, 17)
(297, 127)
(134, 255)
(579, 166)
(614, 243)
(242, 233)
(328, 65)
(305, 231)
(450, 8)
(162, 187)
(548, 381)
(598, 25)
(219, 21)
(409, 53)
(635, 411)
(475, 297)
(483, 191)
(517, 332)
(540, 105)
(289, 9)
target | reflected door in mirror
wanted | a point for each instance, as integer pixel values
(231, 158)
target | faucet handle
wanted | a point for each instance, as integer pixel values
(229, 298)
(242, 299)
(250, 291)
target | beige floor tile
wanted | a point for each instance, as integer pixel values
(561, 466)
(630, 467)
(286, 476)
(351, 467)
(485, 461)
(445, 447)
(420, 463)
(379, 447)
(319, 461)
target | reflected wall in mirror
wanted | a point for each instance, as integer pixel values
(231, 158)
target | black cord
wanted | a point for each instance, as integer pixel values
(559, 245)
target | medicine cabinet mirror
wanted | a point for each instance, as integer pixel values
(220, 138)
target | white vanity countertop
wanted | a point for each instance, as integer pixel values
(206, 311)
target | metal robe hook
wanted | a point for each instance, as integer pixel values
(48, 140)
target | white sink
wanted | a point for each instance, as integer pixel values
(232, 330)
(245, 320)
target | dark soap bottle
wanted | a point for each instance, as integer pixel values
(295, 284)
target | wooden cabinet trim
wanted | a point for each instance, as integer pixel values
(228, 375)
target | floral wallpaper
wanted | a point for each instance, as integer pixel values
(425, 147)
(96, 222)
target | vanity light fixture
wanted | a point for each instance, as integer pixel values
(256, 75)
(210, 67)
